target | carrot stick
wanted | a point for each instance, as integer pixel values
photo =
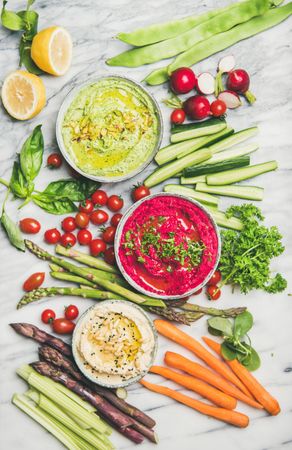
(180, 362)
(170, 331)
(196, 385)
(269, 403)
(234, 418)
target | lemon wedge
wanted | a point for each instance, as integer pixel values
(23, 95)
(51, 50)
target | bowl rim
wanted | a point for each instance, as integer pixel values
(118, 236)
(64, 107)
(79, 362)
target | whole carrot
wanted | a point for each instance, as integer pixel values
(170, 331)
(180, 362)
(269, 403)
(234, 418)
(205, 390)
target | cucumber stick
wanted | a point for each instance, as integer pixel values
(234, 139)
(206, 169)
(226, 222)
(171, 169)
(188, 192)
(245, 192)
(206, 141)
(233, 176)
(231, 154)
(193, 130)
(193, 180)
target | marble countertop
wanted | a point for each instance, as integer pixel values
(267, 57)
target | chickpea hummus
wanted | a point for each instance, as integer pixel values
(114, 342)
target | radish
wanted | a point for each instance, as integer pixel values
(206, 83)
(197, 107)
(182, 80)
(238, 81)
(225, 65)
(230, 98)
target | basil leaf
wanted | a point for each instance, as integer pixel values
(221, 324)
(13, 232)
(214, 332)
(18, 184)
(242, 324)
(227, 352)
(31, 155)
(62, 206)
(75, 190)
(11, 20)
(253, 361)
(26, 59)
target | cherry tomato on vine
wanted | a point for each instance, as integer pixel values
(213, 292)
(69, 224)
(54, 161)
(48, 315)
(97, 246)
(84, 237)
(81, 220)
(68, 240)
(115, 220)
(109, 256)
(140, 192)
(108, 234)
(86, 206)
(71, 312)
(29, 225)
(215, 278)
(198, 291)
(98, 217)
(63, 326)
(99, 197)
(218, 108)
(115, 203)
(34, 281)
(177, 116)
(52, 236)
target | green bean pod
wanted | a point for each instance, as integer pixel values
(240, 12)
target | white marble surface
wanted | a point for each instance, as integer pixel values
(267, 57)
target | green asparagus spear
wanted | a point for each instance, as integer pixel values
(90, 261)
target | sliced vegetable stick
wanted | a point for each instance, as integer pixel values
(234, 418)
(196, 385)
(180, 362)
(269, 403)
(175, 334)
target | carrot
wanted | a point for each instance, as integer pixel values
(269, 403)
(234, 418)
(180, 362)
(170, 331)
(196, 385)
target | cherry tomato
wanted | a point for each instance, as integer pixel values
(29, 226)
(34, 281)
(81, 220)
(48, 315)
(218, 108)
(99, 197)
(182, 80)
(108, 234)
(115, 203)
(52, 236)
(84, 237)
(140, 192)
(215, 278)
(97, 246)
(71, 312)
(177, 116)
(115, 220)
(198, 291)
(98, 217)
(63, 326)
(86, 206)
(54, 161)
(69, 224)
(109, 256)
(213, 292)
(68, 240)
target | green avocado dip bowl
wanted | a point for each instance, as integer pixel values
(109, 129)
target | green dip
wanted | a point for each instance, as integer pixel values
(110, 128)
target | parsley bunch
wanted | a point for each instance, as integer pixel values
(246, 255)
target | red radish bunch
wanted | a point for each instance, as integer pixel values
(238, 81)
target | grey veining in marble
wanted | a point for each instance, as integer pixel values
(267, 57)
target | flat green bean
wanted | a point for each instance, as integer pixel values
(221, 41)
(240, 12)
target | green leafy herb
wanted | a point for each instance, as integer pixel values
(18, 184)
(74, 190)
(12, 231)
(54, 206)
(246, 255)
(10, 19)
(31, 155)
